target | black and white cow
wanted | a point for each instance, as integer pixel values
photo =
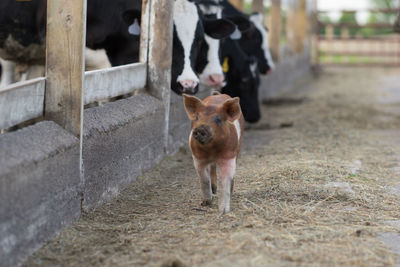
(254, 41)
(244, 56)
(209, 66)
(242, 78)
(192, 30)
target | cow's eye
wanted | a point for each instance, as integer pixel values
(197, 117)
(217, 119)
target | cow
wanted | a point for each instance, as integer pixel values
(242, 78)
(254, 41)
(243, 56)
(209, 66)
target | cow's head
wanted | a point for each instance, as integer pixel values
(209, 66)
(192, 32)
(255, 42)
(243, 80)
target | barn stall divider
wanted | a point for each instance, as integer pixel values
(75, 159)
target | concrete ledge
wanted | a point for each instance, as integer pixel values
(121, 140)
(39, 188)
(287, 71)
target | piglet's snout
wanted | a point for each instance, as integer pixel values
(202, 134)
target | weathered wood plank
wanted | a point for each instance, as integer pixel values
(258, 6)
(275, 29)
(107, 83)
(65, 43)
(144, 31)
(301, 26)
(239, 4)
(21, 102)
(160, 55)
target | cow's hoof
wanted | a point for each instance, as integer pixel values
(206, 203)
(214, 189)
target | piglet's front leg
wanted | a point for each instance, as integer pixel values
(227, 170)
(203, 171)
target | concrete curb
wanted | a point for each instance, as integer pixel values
(39, 188)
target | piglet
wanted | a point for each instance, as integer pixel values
(215, 140)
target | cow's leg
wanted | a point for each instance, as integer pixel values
(213, 174)
(227, 170)
(7, 74)
(203, 171)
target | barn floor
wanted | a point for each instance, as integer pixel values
(317, 184)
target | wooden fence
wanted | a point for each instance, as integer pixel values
(66, 87)
(338, 44)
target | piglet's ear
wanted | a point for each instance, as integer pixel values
(231, 108)
(192, 105)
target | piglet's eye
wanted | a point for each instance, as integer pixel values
(217, 119)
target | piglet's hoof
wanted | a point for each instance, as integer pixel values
(206, 203)
(214, 189)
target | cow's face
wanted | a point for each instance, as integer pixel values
(188, 36)
(255, 42)
(209, 66)
(193, 37)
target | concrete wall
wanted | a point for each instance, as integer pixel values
(120, 140)
(288, 70)
(42, 189)
(39, 188)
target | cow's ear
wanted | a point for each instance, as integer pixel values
(218, 28)
(192, 105)
(241, 22)
(130, 15)
(231, 108)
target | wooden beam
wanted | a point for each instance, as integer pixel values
(275, 29)
(291, 27)
(258, 6)
(144, 31)
(65, 43)
(301, 26)
(159, 57)
(239, 4)
(21, 101)
(106, 83)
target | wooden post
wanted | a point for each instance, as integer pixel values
(301, 26)
(291, 27)
(275, 29)
(258, 6)
(160, 54)
(144, 34)
(329, 34)
(239, 4)
(65, 43)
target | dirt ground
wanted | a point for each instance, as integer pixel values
(317, 184)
